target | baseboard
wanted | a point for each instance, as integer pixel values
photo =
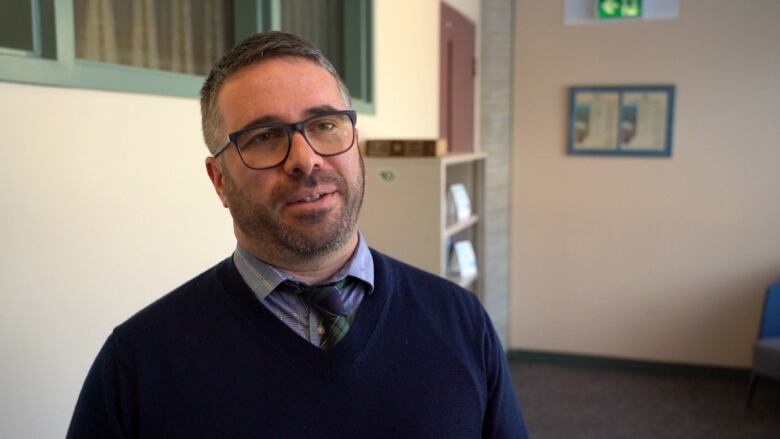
(625, 364)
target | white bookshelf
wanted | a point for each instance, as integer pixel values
(404, 212)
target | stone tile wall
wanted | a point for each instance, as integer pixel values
(495, 58)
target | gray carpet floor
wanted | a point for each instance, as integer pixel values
(588, 401)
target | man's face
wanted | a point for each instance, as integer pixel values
(306, 207)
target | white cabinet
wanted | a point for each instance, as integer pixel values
(405, 210)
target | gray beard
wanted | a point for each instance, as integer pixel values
(321, 232)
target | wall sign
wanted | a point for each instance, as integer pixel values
(579, 12)
(624, 120)
(612, 9)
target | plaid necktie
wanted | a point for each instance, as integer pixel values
(326, 300)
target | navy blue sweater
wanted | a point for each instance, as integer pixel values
(208, 360)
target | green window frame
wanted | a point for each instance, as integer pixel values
(53, 60)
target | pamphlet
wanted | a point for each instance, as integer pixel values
(459, 202)
(463, 261)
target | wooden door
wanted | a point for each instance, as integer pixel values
(457, 73)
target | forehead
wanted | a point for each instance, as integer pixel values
(279, 88)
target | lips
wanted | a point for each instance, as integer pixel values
(317, 190)
(308, 197)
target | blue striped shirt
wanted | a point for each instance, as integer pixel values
(264, 279)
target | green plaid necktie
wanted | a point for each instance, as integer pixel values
(326, 300)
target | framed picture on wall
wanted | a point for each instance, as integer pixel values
(621, 120)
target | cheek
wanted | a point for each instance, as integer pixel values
(349, 165)
(255, 186)
(260, 188)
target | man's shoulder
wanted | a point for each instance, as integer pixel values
(436, 307)
(422, 284)
(186, 302)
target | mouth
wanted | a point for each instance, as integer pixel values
(311, 198)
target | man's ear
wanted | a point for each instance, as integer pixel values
(214, 169)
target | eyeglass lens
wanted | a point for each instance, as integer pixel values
(267, 146)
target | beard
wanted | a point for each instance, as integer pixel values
(313, 234)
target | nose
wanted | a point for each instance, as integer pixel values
(301, 159)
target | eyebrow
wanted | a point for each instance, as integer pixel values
(271, 119)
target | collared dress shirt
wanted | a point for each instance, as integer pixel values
(264, 280)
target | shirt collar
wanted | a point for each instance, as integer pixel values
(262, 278)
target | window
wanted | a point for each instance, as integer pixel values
(341, 28)
(17, 23)
(176, 36)
(168, 46)
(319, 21)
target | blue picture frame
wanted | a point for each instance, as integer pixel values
(629, 120)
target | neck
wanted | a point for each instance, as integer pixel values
(312, 271)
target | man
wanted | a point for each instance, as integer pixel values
(304, 332)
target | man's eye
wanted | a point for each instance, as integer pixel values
(325, 125)
(263, 137)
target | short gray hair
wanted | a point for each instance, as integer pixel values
(251, 50)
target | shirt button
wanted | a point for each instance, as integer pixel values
(321, 329)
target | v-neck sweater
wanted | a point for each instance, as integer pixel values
(209, 360)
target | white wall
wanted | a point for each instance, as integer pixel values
(406, 75)
(107, 206)
(647, 258)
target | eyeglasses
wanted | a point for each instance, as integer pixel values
(268, 145)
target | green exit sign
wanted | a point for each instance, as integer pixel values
(609, 9)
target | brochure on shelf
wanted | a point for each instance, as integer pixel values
(463, 261)
(459, 204)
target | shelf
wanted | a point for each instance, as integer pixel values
(447, 160)
(454, 228)
(405, 212)
(467, 157)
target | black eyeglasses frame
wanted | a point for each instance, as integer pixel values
(290, 129)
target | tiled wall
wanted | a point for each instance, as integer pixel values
(496, 129)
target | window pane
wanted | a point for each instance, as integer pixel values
(319, 21)
(186, 36)
(16, 24)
